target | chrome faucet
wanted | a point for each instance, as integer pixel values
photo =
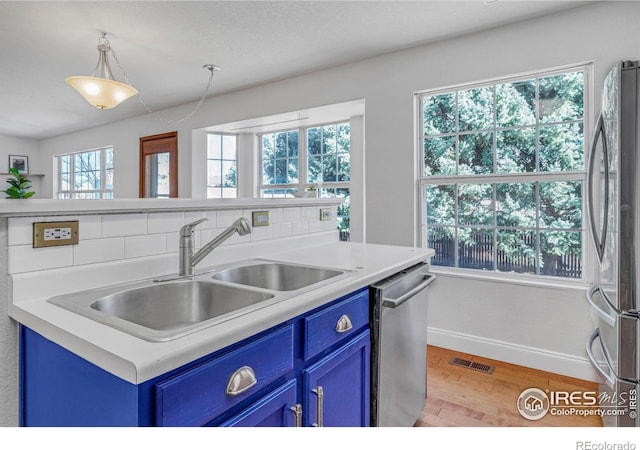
(188, 259)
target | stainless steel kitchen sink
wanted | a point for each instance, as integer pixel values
(164, 311)
(176, 305)
(157, 311)
(276, 276)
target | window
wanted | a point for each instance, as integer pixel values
(329, 165)
(222, 161)
(328, 150)
(323, 165)
(503, 172)
(280, 163)
(86, 174)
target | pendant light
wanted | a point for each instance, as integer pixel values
(101, 89)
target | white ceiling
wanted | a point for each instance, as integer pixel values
(163, 46)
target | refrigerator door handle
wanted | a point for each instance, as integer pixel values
(598, 238)
(606, 376)
(610, 319)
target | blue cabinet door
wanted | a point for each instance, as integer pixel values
(336, 388)
(272, 410)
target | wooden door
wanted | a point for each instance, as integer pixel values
(159, 165)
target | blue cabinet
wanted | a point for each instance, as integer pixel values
(200, 394)
(270, 379)
(336, 388)
(276, 409)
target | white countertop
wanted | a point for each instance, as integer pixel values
(136, 360)
(51, 207)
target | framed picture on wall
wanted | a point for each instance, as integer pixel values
(19, 162)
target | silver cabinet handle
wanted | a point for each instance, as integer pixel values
(319, 405)
(241, 380)
(297, 414)
(344, 324)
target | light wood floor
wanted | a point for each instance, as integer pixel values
(458, 396)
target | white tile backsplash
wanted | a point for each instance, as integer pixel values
(315, 226)
(275, 216)
(262, 233)
(164, 222)
(299, 227)
(290, 214)
(110, 238)
(227, 217)
(309, 213)
(281, 230)
(330, 225)
(172, 242)
(25, 258)
(124, 225)
(147, 245)
(89, 227)
(21, 230)
(90, 251)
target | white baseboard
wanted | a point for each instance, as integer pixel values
(535, 358)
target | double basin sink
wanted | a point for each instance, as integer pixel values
(159, 311)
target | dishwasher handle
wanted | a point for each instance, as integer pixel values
(395, 302)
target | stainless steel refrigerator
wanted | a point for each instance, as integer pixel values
(613, 200)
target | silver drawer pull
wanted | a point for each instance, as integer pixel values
(344, 324)
(241, 380)
(297, 414)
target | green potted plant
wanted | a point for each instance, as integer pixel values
(19, 185)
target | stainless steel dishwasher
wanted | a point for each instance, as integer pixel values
(399, 347)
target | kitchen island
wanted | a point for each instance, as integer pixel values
(139, 363)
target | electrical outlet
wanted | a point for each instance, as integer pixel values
(326, 214)
(260, 218)
(49, 234)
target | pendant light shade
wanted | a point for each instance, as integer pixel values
(101, 89)
(101, 92)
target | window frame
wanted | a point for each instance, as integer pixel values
(330, 187)
(303, 161)
(72, 172)
(237, 160)
(494, 178)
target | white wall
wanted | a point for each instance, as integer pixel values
(601, 32)
(24, 147)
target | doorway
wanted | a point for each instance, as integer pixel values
(159, 166)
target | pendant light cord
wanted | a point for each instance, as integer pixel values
(210, 67)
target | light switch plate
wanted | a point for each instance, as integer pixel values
(50, 234)
(260, 218)
(326, 214)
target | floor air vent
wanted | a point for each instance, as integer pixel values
(484, 368)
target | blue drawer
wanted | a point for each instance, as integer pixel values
(322, 329)
(198, 395)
